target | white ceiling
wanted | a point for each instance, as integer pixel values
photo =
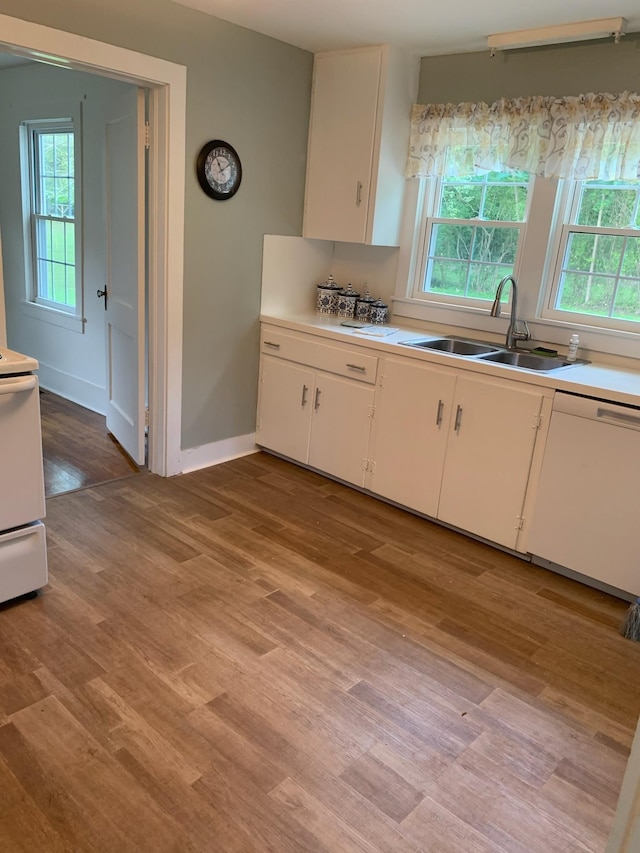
(425, 27)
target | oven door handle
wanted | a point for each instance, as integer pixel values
(15, 386)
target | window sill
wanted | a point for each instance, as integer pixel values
(44, 314)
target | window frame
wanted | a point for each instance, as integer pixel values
(569, 203)
(427, 212)
(71, 317)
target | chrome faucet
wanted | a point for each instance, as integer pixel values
(513, 335)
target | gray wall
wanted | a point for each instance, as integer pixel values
(72, 363)
(570, 69)
(253, 92)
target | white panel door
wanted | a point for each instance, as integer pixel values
(489, 451)
(284, 408)
(126, 274)
(411, 425)
(341, 427)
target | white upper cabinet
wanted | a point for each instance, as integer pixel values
(358, 142)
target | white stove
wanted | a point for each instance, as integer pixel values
(23, 551)
(15, 362)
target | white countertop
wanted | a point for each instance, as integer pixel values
(619, 385)
(15, 362)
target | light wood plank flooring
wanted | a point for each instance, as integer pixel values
(76, 447)
(255, 658)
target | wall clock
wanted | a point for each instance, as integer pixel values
(219, 169)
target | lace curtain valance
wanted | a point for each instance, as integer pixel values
(586, 137)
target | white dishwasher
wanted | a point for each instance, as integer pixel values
(587, 512)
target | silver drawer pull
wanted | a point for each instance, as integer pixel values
(271, 344)
(303, 402)
(316, 402)
(439, 415)
(616, 415)
(357, 367)
(456, 426)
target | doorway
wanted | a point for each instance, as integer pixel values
(88, 181)
(166, 83)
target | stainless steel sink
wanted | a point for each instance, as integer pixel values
(529, 361)
(456, 346)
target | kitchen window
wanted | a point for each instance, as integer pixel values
(597, 268)
(473, 230)
(544, 188)
(50, 160)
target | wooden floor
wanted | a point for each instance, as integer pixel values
(255, 658)
(76, 447)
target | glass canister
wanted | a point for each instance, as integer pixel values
(363, 307)
(379, 312)
(347, 302)
(327, 296)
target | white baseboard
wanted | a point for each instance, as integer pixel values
(73, 388)
(218, 451)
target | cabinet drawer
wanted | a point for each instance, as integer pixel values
(23, 560)
(333, 359)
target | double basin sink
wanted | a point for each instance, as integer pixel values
(492, 353)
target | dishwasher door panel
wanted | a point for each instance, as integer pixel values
(587, 510)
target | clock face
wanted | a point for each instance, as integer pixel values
(219, 170)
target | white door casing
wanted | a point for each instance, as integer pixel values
(3, 320)
(166, 82)
(124, 316)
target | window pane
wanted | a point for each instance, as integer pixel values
(506, 203)
(460, 201)
(55, 178)
(452, 241)
(495, 245)
(627, 301)
(586, 294)
(449, 277)
(631, 258)
(484, 280)
(607, 205)
(594, 253)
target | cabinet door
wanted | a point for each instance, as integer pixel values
(284, 408)
(411, 424)
(341, 427)
(341, 143)
(489, 451)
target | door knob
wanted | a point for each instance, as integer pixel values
(100, 294)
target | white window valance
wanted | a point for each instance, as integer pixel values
(587, 137)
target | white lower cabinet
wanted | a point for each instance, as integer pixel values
(314, 417)
(284, 407)
(488, 459)
(454, 447)
(411, 426)
(444, 442)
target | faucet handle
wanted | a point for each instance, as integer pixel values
(525, 334)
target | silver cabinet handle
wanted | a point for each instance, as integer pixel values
(616, 415)
(303, 402)
(271, 344)
(439, 415)
(357, 367)
(316, 402)
(456, 426)
(358, 193)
